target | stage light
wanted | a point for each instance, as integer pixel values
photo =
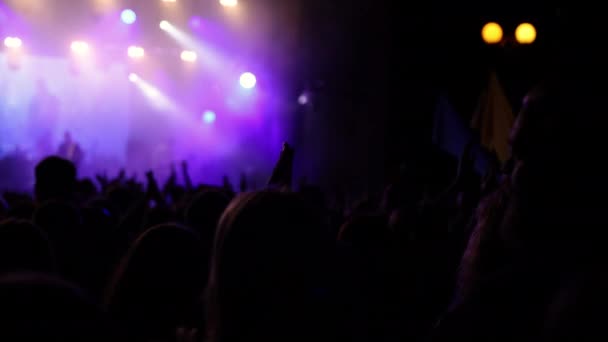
(188, 56)
(164, 25)
(80, 48)
(491, 33)
(12, 42)
(303, 99)
(136, 52)
(209, 117)
(229, 3)
(169, 0)
(248, 80)
(133, 77)
(525, 33)
(128, 16)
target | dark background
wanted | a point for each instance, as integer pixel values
(373, 69)
(377, 68)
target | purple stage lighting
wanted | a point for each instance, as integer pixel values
(209, 117)
(128, 16)
(196, 22)
(248, 80)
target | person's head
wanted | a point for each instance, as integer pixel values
(55, 179)
(558, 142)
(157, 286)
(204, 212)
(38, 307)
(24, 247)
(267, 259)
(558, 128)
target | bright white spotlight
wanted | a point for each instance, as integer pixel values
(248, 80)
(188, 56)
(164, 25)
(133, 77)
(79, 47)
(128, 16)
(169, 0)
(209, 117)
(12, 42)
(136, 52)
(229, 3)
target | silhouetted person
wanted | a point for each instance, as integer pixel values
(204, 213)
(38, 307)
(24, 247)
(55, 179)
(70, 149)
(265, 282)
(61, 221)
(157, 287)
(542, 230)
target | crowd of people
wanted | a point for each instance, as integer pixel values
(513, 255)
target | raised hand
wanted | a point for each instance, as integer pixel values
(102, 179)
(283, 170)
(122, 174)
(186, 175)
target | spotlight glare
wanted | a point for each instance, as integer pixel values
(79, 47)
(525, 33)
(303, 99)
(133, 77)
(164, 25)
(128, 16)
(188, 56)
(491, 33)
(209, 117)
(12, 42)
(248, 80)
(229, 3)
(136, 52)
(169, 0)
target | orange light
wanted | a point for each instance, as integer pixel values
(525, 33)
(491, 33)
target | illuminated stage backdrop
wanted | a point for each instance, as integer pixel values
(47, 96)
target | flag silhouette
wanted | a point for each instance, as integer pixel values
(493, 119)
(452, 134)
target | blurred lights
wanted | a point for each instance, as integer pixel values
(136, 52)
(12, 42)
(128, 16)
(525, 33)
(303, 99)
(188, 56)
(229, 3)
(209, 117)
(248, 80)
(164, 25)
(491, 33)
(169, 0)
(133, 77)
(79, 47)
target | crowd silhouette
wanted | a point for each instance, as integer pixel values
(513, 255)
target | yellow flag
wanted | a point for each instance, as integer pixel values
(493, 119)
